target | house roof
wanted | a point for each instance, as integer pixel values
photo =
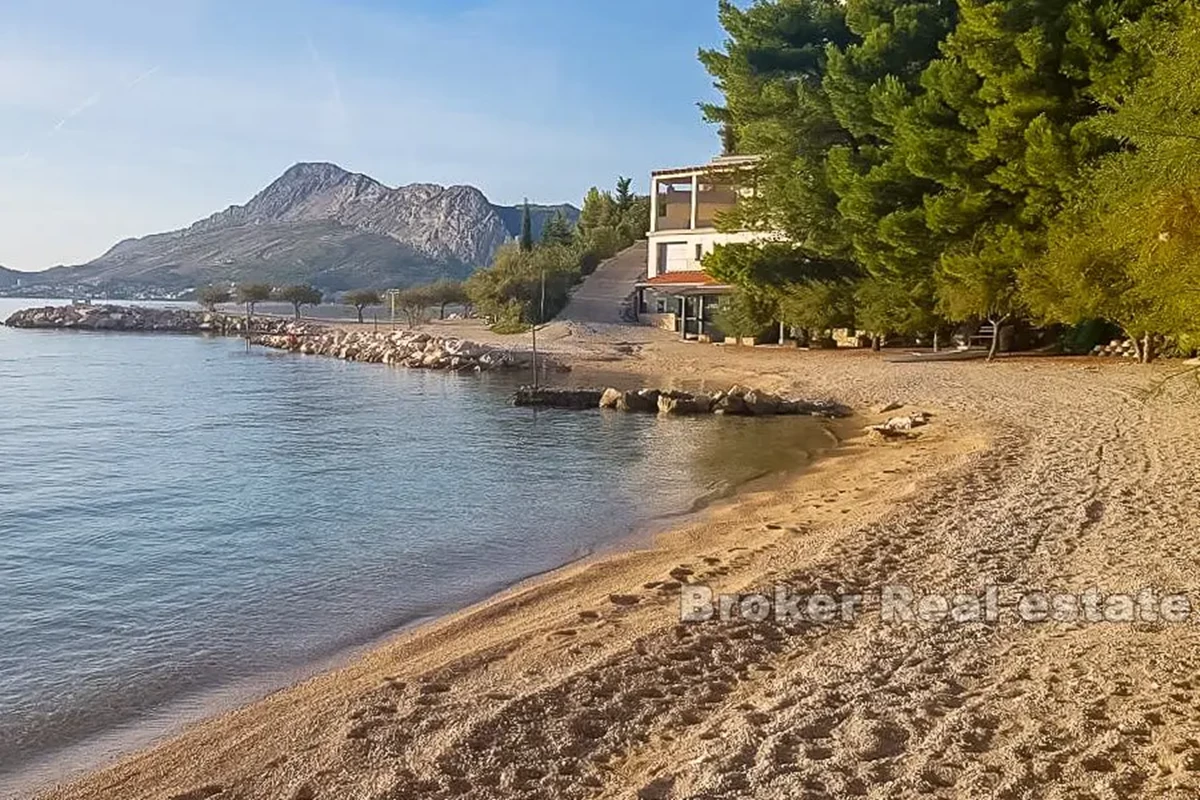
(718, 164)
(683, 278)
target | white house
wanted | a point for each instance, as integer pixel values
(685, 203)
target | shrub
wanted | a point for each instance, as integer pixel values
(746, 313)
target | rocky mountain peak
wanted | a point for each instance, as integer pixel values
(318, 222)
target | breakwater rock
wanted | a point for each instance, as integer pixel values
(400, 348)
(133, 318)
(737, 401)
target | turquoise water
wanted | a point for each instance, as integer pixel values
(185, 522)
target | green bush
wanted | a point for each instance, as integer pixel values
(510, 291)
(746, 313)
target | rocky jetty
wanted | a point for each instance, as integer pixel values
(737, 401)
(400, 348)
(128, 318)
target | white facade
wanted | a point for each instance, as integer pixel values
(682, 251)
(685, 205)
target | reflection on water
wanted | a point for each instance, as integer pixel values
(179, 515)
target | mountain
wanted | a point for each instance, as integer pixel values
(9, 277)
(319, 223)
(539, 215)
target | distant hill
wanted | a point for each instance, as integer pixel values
(9, 277)
(319, 223)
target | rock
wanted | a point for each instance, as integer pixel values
(644, 401)
(676, 403)
(789, 407)
(761, 404)
(611, 398)
(899, 427)
(886, 407)
(730, 403)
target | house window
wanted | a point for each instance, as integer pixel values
(660, 305)
(699, 252)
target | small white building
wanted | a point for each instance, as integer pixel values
(685, 204)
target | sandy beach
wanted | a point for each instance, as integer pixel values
(1035, 475)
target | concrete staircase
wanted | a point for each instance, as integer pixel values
(605, 296)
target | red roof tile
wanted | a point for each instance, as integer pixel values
(696, 277)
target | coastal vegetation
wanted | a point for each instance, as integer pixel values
(530, 281)
(300, 295)
(360, 299)
(413, 304)
(943, 162)
(251, 294)
(446, 293)
(209, 297)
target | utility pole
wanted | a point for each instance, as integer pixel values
(540, 317)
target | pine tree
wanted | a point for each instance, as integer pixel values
(557, 230)
(624, 197)
(874, 88)
(1129, 249)
(1023, 82)
(770, 76)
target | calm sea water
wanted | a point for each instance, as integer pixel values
(185, 523)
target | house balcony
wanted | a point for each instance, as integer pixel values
(694, 198)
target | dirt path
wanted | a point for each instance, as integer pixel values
(1036, 475)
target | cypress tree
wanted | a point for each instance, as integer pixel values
(526, 229)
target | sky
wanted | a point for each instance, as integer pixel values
(129, 117)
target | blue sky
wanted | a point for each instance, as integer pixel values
(129, 117)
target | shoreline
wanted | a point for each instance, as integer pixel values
(426, 645)
(110, 748)
(1036, 474)
(647, 538)
(98, 753)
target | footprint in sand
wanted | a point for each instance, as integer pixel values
(200, 794)
(435, 688)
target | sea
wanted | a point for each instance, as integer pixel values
(188, 523)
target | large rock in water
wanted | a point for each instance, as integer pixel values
(643, 400)
(611, 398)
(761, 404)
(679, 404)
